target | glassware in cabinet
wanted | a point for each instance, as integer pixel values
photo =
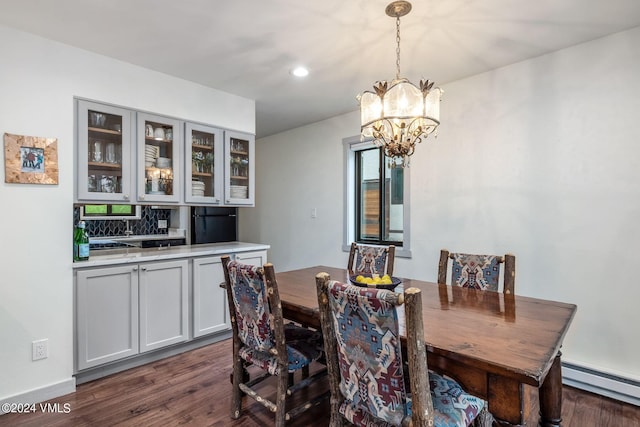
(239, 168)
(203, 163)
(158, 158)
(104, 152)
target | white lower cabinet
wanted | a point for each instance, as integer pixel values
(210, 310)
(106, 315)
(210, 313)
(124, 310)
(164, 304)
(252, 258)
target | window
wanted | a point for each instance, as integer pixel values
(379, 204)
(110, 212)
(376, 198)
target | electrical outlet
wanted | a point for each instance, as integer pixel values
(162, 223)
(40, 349)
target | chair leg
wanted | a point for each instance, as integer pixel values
(337, 420)
(305, 372)
(484, 419)
(245, 376)
(236, 393)
(281, 396)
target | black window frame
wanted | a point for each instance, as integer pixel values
(381, 199)
(136, 212)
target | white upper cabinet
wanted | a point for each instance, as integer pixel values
(128, 157)
(104, 153)
(204, 172)
(159, 151)
(239, 166)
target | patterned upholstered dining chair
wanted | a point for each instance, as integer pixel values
(261, 339)
(364, 360)
(369, 260)
(478, 271)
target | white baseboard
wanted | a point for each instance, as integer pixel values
(42, 394)
(603, 383)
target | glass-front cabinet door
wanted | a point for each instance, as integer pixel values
(203, 164)
(239, 168)
(104, 152)
(159, 147)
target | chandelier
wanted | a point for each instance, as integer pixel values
(399, 115)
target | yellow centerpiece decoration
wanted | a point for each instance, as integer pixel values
(374, 280)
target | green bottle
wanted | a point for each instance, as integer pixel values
(80, 243)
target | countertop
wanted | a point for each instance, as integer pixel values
(108, 257)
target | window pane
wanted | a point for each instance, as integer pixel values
(369, 203)
(394, 208)
(122, 209)
(95, 209)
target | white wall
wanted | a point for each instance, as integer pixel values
(540, 158)
(297, 171)
(38, 80)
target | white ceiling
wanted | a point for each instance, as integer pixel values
(247, 47)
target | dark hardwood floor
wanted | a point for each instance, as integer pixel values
(193, 389)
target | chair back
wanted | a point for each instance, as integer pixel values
(251, 314)
(369, 260)
(364, 359)
(477, 271)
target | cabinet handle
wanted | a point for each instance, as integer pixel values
(126, 197)
(135, 268)
(142, 196)
(144, 268)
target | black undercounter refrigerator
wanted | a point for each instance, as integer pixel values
(212, 225)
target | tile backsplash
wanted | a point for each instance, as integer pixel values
(148, 224)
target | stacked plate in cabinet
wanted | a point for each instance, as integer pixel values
(197, 188)
(151, 153)
(238, 191)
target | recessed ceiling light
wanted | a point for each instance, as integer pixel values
(300, 72)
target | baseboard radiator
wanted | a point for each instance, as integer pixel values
(602, 383)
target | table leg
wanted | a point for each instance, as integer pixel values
(550, 395)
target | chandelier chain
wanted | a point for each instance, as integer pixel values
(398, 48)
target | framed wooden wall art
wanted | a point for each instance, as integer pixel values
(30, 159)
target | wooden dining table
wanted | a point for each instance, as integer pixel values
(492, 343)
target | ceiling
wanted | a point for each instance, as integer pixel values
(248, 47)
